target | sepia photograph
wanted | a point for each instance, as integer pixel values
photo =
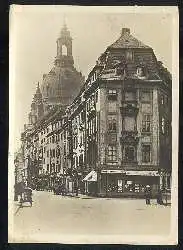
(93, 145)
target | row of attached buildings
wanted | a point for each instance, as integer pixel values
(114, 138)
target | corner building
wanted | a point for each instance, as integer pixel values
(121, 123)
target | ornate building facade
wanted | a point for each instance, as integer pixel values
(115, 136)
(121, 122)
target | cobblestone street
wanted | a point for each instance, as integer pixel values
(57, 216)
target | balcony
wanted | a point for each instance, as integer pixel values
(91, 113)
(129, 107)
(129, 137)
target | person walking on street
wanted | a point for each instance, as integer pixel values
(148, 195)
(159, 197)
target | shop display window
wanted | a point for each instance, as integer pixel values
(120, 185)
(131, 186)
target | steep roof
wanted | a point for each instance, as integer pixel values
(126, 40)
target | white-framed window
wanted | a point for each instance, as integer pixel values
(146, 153)
(146, 123)
(112, 153)
(112, 123)
(112, 94)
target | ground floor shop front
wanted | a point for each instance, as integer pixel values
(111, 183)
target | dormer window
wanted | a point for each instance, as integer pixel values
(129, 55)
(120, 70)
(141, 72)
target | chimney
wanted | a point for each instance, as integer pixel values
(125, 31)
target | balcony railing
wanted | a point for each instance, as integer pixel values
(91, 113)
(129, 107)
(129, 136)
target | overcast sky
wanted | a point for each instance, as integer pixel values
(34, 35)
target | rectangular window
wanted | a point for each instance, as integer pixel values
(129, 153)
(112, 153)
(129, 55)
(112, 94)
(53, 152)
(162, 100)
(146, 96)
(48, 153)
(112, 107)
(112, 126)
(130, 96)
(48, 167)
(96, 96)
(146, 123)
(163, 125)
(53, 139)
(44, 149)
(129, 123)
(146, 108)
(166, 100)
(146, 153)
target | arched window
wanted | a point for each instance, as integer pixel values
(64, 50)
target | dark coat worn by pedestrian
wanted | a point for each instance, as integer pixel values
(147, 194)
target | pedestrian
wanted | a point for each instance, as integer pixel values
(159, 197)
(148, 195)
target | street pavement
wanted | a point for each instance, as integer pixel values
(52, 218)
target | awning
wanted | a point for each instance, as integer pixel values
(92, 176)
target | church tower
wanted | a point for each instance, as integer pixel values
(62, 84)
(64, 49)
(37, 110)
